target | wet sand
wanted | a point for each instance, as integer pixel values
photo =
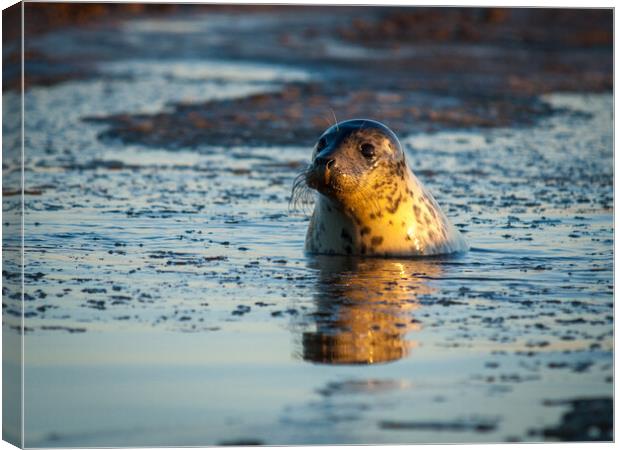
(168, 300)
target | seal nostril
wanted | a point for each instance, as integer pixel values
(328, 163)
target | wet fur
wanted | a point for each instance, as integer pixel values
(373, 208)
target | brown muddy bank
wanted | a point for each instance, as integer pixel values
(299, 113)
(418, 69)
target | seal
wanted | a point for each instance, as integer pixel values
(369, 202)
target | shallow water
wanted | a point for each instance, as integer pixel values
(169, 301)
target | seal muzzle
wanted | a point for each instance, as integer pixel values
(321, 174)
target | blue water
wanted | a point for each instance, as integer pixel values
(169, 301)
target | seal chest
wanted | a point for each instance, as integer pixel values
(368, 200)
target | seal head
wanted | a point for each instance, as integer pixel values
(349, 155)
(369, 202)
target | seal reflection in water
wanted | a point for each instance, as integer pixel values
(364, 309)
(369, 202)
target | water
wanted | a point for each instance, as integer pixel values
(169, 301)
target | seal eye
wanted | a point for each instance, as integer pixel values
(368, 150)
(322, 144)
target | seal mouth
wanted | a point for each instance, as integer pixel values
(322, 179)
(325, 180)
(317, 178)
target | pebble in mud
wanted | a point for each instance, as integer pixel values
(587, 419)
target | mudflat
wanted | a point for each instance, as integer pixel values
(167, 292)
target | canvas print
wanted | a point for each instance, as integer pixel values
(305, 225)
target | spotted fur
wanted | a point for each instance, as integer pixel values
(360, 199)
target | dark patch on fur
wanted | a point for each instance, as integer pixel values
(365, 230)
(417, 211)
(346, 236)
(395, 205)
(376, 240)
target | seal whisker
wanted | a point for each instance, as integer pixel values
(302, 196)
(329, 124)
(335, 120)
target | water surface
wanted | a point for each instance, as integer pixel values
(169, 302)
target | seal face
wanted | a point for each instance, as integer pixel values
(369, 202)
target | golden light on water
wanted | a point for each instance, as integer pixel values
(364, 310)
